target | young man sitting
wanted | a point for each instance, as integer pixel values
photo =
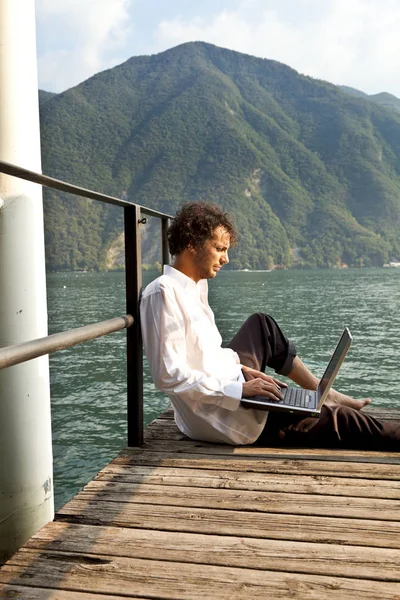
(207, 382)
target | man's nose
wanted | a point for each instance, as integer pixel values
(224, 258)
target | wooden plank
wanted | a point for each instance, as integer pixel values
(271, 482)
(168, 413)
(165, 429)
(361, 532)
(11, 592)
(181, 581)
(299, 504)
(342, 455)
(264, 510)
(379, 412)
(292, 557)
(261, 464)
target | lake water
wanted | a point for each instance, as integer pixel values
(88, 382)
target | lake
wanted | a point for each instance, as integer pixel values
(88, 382)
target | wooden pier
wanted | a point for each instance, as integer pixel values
(187, 520)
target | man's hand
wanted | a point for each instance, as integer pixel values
(260, 384)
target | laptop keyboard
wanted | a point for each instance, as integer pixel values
(299, 398)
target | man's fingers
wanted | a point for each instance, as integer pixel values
(274, 396)
(260, 387)
(273, 380)
(281, 383)
(272, 390)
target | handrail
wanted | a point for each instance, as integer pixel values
(13, 355)
(62, 186)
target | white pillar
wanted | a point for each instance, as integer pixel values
(26, 496)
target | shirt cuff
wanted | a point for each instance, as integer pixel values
(232, 395)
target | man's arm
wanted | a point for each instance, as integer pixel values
(163, 330)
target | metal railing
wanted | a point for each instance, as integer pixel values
(133, 218)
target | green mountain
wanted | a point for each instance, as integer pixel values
(387, 100)
(308, 171)
(383, 98)
(353, 91)
(45, 96)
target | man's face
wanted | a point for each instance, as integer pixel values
(209, 259)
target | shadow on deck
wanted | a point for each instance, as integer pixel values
(186, 520)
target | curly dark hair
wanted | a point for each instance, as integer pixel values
(195, 223)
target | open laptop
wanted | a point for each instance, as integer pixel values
(306, 402)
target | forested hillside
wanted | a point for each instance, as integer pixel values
(44, 96)
(384, 99)
(311, 173)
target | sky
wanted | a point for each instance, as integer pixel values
(346, 42)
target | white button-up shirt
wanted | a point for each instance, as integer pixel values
(187, 362)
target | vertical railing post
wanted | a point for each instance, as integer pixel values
(133, 278)
(164, 241)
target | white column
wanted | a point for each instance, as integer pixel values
(26, 496)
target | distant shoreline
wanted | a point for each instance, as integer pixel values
(83, 271)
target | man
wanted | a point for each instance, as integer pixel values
(207, 382)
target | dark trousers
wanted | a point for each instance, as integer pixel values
(260, 343)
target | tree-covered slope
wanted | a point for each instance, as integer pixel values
(383, 98)
(44, 96)
(297, 161)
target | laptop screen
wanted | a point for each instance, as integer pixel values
(335, 362)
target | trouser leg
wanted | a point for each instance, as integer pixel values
(260, 343)
(337, 427)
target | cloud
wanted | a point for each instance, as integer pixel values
(352, 42)
(78, 38)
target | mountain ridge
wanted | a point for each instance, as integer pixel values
(382, 98)
(283, 152)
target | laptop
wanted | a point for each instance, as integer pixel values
(306, 402)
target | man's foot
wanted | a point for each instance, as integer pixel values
(338, 398)
(305, 379)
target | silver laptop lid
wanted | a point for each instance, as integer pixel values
(333, 367)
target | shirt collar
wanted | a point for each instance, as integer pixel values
(184, 281)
